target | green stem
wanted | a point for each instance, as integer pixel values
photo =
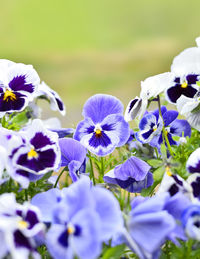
(163, 129)
(128, 199)
(132, 244)
(65, 169)
(91, 170)
(156, 151)
(101, 173)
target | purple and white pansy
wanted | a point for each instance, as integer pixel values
(133, 175)
(36, 153)
(151, 125)
(18, 83)
(104, 127)
(173, 184)
(193, 162)
(19, 227)
(185, 85)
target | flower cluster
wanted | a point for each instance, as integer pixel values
(79, 221)
(103, 189)
(20, 228)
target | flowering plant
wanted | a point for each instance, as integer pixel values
(104, 189)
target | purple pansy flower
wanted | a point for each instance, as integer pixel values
(37, 153)
(104, 127)
(133, 175)
(47, 201)
(73, 155)
(80, 220)
(19, 227)
(149, 221)
(191, 221)
(151, 127)
(18, 83)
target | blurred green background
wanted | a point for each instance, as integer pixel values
(83, 47)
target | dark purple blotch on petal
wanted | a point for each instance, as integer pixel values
(132, 104)
(173, 189)
(31, 218)
(31, 177)
(9, 105)
(60, 104)
(102, 140)
(108, 127)
(45, 159)
(131, 185)
(194, 169)
(40, 140)
(176, 91)
(18, 83)
(19, 213)
(192, 79)
(147, 134)
(21, 241)
(63, 238)
(90, 130)
(179, 182)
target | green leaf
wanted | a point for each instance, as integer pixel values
(155, 162)
(163, 150)
(175, 138)
(196, 109)
(148, 191)
(20, 119)
(114, 252)
(158, 174)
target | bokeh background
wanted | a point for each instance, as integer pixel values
(83, 47)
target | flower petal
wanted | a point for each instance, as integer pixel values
(99, 106)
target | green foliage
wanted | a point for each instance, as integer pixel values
(113, 252)
(186, 250)
(155, 162)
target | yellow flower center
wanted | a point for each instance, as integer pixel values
(22, 224)
(32, 154)
(9, 95)
(154, 128)
(184, 85)
(168, 171)
(70, 230)
(98, 133)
